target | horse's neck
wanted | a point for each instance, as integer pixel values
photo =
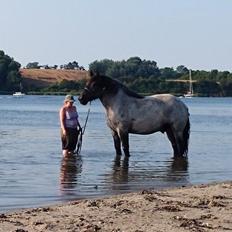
(114, 100)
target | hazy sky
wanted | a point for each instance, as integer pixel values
(194, 33)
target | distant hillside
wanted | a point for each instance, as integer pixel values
(46, 77)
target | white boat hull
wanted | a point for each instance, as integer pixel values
(18, 94)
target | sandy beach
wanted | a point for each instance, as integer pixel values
(195, 208)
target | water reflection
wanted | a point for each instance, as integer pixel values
(178, 170)
(135, 174)
(71, 166)
(120, 170)
(179, 164)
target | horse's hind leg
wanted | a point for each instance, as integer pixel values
(180, 141)
(117, 143)
(173, 140)
(178, 147)
(182, 138)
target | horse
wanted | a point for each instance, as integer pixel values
(127, 112)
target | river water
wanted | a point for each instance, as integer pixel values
(33, 172)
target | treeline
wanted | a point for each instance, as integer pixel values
(64, 86)
(145, 76)
(10, 77)
(69, 66)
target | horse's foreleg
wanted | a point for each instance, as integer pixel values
(117, 143)
(124, 136)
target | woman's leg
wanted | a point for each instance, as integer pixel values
(73, 136)
(64, 141)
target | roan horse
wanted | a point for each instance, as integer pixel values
(128, 112)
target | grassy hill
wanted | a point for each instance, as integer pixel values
(46, 77)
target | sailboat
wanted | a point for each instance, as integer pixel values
(190, 94)
(19, 93)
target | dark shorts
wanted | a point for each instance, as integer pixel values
(69, 142)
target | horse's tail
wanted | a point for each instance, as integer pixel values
(186, 134)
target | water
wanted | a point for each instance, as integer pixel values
(33, 172)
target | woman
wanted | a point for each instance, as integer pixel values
(69, 126)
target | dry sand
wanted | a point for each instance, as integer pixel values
(196, 208)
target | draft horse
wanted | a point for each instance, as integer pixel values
(128, 112)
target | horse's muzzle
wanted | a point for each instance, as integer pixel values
(82, 100)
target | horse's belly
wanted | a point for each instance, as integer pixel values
(143, 132)
(145, 129)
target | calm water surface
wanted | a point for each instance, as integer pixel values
(33, 172)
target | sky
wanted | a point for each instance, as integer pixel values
(194, 33)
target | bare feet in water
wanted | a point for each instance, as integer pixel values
(67, 153)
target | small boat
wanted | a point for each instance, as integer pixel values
(18, 94)
(190, 93)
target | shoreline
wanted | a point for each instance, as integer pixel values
(205, 207)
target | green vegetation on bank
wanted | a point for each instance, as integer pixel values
(73, 87)
(10, 77)
(142, 76)
(145, 77)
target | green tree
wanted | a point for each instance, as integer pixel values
(32, 65)
(227, 88)
(134, 67)
(182, 69)
(169, 73)
(213, 74)
(208, 88)
(9, 73)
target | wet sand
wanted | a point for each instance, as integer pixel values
(196, 208)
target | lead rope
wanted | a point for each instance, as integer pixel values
(82, 131)
(86, 120)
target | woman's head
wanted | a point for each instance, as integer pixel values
(69, 99)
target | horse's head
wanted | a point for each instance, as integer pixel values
(94, 88)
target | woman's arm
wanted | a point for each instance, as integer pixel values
(78, 124)
(62, 120)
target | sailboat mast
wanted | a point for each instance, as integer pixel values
(20, 87)
(190, 82)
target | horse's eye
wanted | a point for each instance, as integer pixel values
(94, 85)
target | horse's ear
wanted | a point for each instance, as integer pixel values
(91, 73)
(95, 74)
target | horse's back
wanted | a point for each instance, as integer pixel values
(165, 97)
(169, 100)
(172, 106)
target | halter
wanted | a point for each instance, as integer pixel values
(88, 90)
(91, 91)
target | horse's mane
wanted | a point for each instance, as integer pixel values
(114, 85)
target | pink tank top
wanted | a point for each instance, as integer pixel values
(71, 119)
